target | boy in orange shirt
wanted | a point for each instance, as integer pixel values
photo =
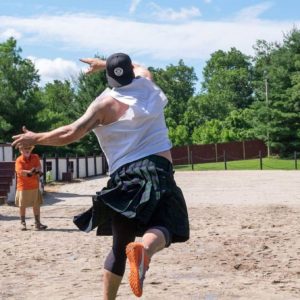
(28, 170)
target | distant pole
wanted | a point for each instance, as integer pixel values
(260, 160)
(295, 156)
(192, 160)
(86, 166)
(268, 115)
(77, 166)
(225, 160)
(95, 164)
(67, 163)
(44, 167)
(56, 167)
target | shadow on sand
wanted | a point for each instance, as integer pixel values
(51, 198)
(9, 218)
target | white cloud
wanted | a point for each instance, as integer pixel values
(56, 69)
(169, 14)
(133, 6)
(253, 12)
(194, 40)
(8, 33)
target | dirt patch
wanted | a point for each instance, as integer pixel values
(244, 243)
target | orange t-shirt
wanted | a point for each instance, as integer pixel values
(23, 163)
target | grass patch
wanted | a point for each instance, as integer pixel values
(251, 164)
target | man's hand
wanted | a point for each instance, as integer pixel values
(95, 64)
(25, 139)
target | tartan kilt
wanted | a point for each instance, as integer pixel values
(143, 190)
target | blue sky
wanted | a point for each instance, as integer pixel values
(55, 34)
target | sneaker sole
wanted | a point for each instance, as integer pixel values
(133, 251)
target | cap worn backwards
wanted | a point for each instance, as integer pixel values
(119, 70)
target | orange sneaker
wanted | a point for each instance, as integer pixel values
(139, 264)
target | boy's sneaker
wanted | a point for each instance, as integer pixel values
(40, 226)
(23, 226)
(139, 264)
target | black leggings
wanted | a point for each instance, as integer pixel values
(124, 232)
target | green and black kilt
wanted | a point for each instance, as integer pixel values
(143, 190)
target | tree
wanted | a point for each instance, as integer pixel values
(58, 110)
(227, 79)
(58, 100)
(277, 67)
(178, 83)
(204, 107)
(19, 97)
(238, 125)
(179, 135)
(210, 132)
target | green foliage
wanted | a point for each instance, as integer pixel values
(19, 97)
(227, 79)
(211, 131)
(178, 83)
(58, 100)
(277, 99)
(179, 135)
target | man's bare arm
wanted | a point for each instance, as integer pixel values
(66, 134)
(97, 64)
(142, 72)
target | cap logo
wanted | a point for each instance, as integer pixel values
(118, 71)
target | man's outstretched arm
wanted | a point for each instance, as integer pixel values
(97, 64)
(63, 135)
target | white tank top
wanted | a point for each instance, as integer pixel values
(141, 131)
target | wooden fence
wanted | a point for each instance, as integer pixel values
(215, 152)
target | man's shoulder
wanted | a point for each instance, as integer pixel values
(103, 99)
(106, 101)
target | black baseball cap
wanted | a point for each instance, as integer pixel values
(119, 70)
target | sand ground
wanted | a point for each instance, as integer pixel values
(245, 243)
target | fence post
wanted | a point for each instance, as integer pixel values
(77, 166)
(296, 164)
(192, 160)
(244, 150)
(67, 163)
(95, 164)
(86, 167)
(44, 168)
(189, 154)
(216, 151)
(225, 161)
(260, 160)
(56, 167)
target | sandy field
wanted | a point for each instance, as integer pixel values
(245, 243)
